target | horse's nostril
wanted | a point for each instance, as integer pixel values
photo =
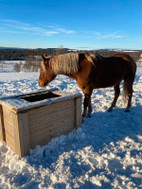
(41, 84)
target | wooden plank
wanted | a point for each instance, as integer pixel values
(7, 133)
(78, 103)
(57, 106)
(2, 129)
(47, 118)
(8, 124)
(8, 127)
(10, 140)
(49, 126)
(44, 139)
(16, 146)
(7, 112)
(21, 135)
(8, 119)
(52, 121)
(5, 106)
(24, 137)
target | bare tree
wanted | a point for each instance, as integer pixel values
(17, 67)
(60, 50)
(32, 64)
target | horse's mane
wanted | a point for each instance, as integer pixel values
(65, 64)
(69, 63)
(94, 58)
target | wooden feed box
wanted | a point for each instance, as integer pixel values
(35, 118)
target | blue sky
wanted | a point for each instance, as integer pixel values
(79, 24)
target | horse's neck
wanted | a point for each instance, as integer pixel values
(72, 76)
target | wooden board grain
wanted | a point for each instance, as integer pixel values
(50, 113)
(24, 128)
(77, 110)
(45, 126)
(2, 129)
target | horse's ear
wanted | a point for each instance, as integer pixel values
(43, 58)
(45, 64)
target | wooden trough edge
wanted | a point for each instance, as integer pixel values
(30, 93)
(30, 105)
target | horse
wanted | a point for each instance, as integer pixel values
(92, 71)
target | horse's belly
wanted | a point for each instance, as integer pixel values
(104, 85)
(102, 82)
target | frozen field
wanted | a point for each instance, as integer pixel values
(105, 153)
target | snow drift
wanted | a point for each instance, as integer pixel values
(106, 152)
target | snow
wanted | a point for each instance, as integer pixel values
(8, 65)
(106, 152)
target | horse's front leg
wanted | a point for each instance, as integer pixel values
(87, 105)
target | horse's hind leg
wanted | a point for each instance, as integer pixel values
(128, 91)
(129, 103)
(116, 95)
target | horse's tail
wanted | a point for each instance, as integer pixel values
(130, 76)
(125, 92)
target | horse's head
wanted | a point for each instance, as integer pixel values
(46, 73)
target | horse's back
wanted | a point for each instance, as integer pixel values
(108, 71)
(131, 65)
(128, 59)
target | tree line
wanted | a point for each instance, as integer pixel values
(22, 54)
(32, 57)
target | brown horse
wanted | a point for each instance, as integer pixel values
(92, 71)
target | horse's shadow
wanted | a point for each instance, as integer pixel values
(97, 133)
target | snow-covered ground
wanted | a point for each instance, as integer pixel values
(8, 65)
(105, 153)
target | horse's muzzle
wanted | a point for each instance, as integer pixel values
(41, 84)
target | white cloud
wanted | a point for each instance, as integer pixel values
(65, 31)
(61, 29)
(49, 33)
(17, 26)
(114, 35)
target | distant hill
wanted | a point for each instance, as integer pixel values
(10, 48)
(14, 53)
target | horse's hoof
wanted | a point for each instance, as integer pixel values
(89, 116)
(44, 153)
(82, 121)
(127, 110)
(109, 110)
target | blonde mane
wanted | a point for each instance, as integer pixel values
(65, 64)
